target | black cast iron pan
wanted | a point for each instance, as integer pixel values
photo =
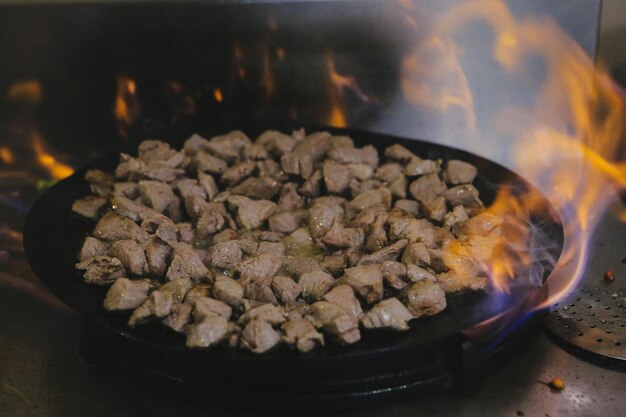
(381, 362)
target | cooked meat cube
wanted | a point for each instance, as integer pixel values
(335, 321)
(114, 227)
(436, 209)
(344, 237)
(207, 182)
(190, 191)
(301, 161)
(389, 313)
(205, 162)
(312, 186)
(389, 172)
(166, 232)
(416, 273)
(101, 270)
(399, 153)
(184, 232)
(393, 272)
(410, 206)
(206, 306)
(252, 213)
(224, 236)
(209, 332)
(295, 266)
(92, 247)
(425, 298)
(398, 215)
(158, 304)
(255, 151)
(366, 281)
(197, 291)
(194, 144)
(456, 215)
(370, 216)
(248, 245)
(186, 264)
(301, 333)
(272, 169)
(155, 150)
(416, 253)
(179, 317)
(100, 182)
(341, 141)
(453, 281)
(125, 294)
(398, 187)
(458, 172)
(478, 247)
(178, 288)
(390, 253)
(233, 334)
(315, 284)
(336, 177)
(357, 187)
(418, 166)
(343, 296)
(228, 290)
(209, 222)
(464, 266)
(353, 256)
(287, 221)
(256, 274)
(133, 210)
(224, 255)
(236, 173)
(322, 217)
(463, 195)
(272, 247)
(483, 224)
(258, 336)
(126, 189)
(229, 146)
(89, 206)
(132, 256)
(277, 143)
(135, 169)
(335, 264)
(370, 198)
(268, 236)
(330, 200)
(157, 195)
(427, 188)
(367, 155)
(262, 188)
(266, 312)
(289, 198)
(360, 172)
(420, 230)
(285, 289)
(377, 238)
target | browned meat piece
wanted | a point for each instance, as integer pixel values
(165, 231)
(100, 182)
(277, 143)
(233, 334)
(255, 151)
(409, 206)
(125, 294)
(436, 209)
(425, 298)
(265, 312)
(197, 291)
(389, 253)
(335, 264)
(427, 188)
(210, 221)
(344, 237)
(370, 216)
(208, 183)
(452, 281)
(252, 213)
(322, 217)
(377, 236)
(418, 166)
(206, 306)
(342, 141)
(229, 146)
(393, 274)
(336, 177)
(335, 321)
(287, 221)
(132, 256)
(301, 333)
(399, 153)
(92, 247)
(258, 336)
(463, 195)
(186, 264)
(135, 169)
(420, 230)
(360, 172)
(357, 187)
(248, 245)
(268, 236)
(194, 144)
(416, 273)
(483, 224)
(89, 206)
(262, 188)
(126, 189)
(285, 289)
(458, 172)
(416, 253)
(224, 236)
(456, 215)
(205, 162)
(101, 270)
(330, 200)
(179, 317)
(315, 284)
(191, 191)
(272, 169)
(389, 172)
(398, 187)
(155, 150)
(289, 198)
(157, 195)
(367, 155)
(133, 210)
(238, 172)
(370, 198)
(114, 227)
(228, 290)
(184, 232)
(343, 296)
(397, 215)
(256, 274)
(271, 247)
(158, 304)
(295, 266)
(209, 332)
(389, 313)
(366, 281)
(312, 187)
(177, 288)
(224, 255)
(301, 161)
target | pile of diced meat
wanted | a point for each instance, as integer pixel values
(294, 240)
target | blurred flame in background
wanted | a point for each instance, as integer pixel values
(126, 108)
(564, 142)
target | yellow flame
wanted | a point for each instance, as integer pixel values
(58, 170)
(217, 93)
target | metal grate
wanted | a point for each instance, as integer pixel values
(592, 319)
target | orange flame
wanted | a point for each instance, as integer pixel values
(58, 170)
(217, 93)
(126, 108)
